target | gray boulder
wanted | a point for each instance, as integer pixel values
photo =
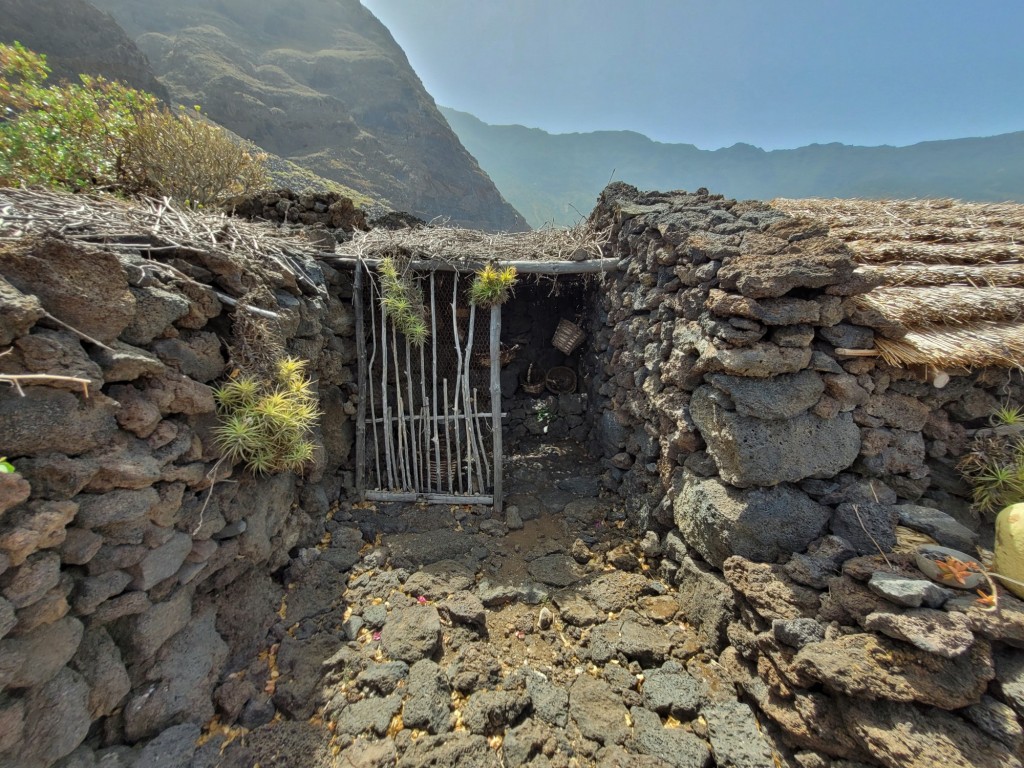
(937, 524)
(760, 524)
(412, 633)
(752, 451)
(780, 397)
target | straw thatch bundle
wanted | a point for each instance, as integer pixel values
(849, 214)
(952, 275)
(978, 345)
(915, 307)
(454, 245)
(933, 252)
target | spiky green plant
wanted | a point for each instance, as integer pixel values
(267, 424)
(402, 300)
(1008, 415)
(239, 391)
(492, 286)
(994, 463)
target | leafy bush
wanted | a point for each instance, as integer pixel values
(267, 424)
(101, 134)
(190, 160)
(64, 135)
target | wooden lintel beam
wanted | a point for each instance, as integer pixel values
(591, 266)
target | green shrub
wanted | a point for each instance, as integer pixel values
(103, 134)
(189, 160)
(67, 135)
(267, 424)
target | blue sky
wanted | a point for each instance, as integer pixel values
(774, 73)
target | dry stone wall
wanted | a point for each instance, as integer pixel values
(724, 409)
(778, 467)
(128, 587)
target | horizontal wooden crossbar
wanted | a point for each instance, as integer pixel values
(427, 498)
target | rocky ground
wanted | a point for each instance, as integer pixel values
(556, 636)
(547, 637)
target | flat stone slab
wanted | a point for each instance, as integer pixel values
(558, 570)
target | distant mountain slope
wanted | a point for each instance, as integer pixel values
(556, 177)
(322, 84)
(77, 38)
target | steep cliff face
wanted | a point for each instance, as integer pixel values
(77, 37)
(324, 85)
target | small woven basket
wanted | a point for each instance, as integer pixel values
(505, 356)
(561, 380)
(567, 336)
(530, 385)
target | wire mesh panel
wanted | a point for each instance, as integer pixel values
(428, 407)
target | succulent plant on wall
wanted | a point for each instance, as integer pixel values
(267, 424)
(402, 301)
(492, 286)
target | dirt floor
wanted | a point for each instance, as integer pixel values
(525, 605)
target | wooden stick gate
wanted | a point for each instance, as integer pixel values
(428, 429)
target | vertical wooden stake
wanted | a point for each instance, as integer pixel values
(370, 389)
(496, 403)
(472, 452)
(414, 441)
(447, 442)
(433, 402)
(362, 384)
(403, 457)
(389, 436)
(458, 383)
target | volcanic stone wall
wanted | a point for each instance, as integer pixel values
(128, 587)
(724, 408)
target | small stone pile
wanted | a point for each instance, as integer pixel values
(331, 213)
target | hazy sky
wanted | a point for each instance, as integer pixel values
(775, 73)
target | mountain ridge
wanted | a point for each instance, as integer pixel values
(325, 86)
(555, 178)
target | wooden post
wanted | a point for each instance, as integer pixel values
(362, 385)
(496, 402)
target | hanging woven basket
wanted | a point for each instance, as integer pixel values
(567, 336)
(505, 356)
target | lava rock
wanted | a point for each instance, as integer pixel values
(412, 633)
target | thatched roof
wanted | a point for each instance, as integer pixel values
(951, 274)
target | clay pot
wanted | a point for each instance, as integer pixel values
(1009, 549)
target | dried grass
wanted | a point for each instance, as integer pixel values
(148, 226)
(852, 214)
(943, 305)
(949, 274)
(975, 252)
(454, 245)
(978, 345)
